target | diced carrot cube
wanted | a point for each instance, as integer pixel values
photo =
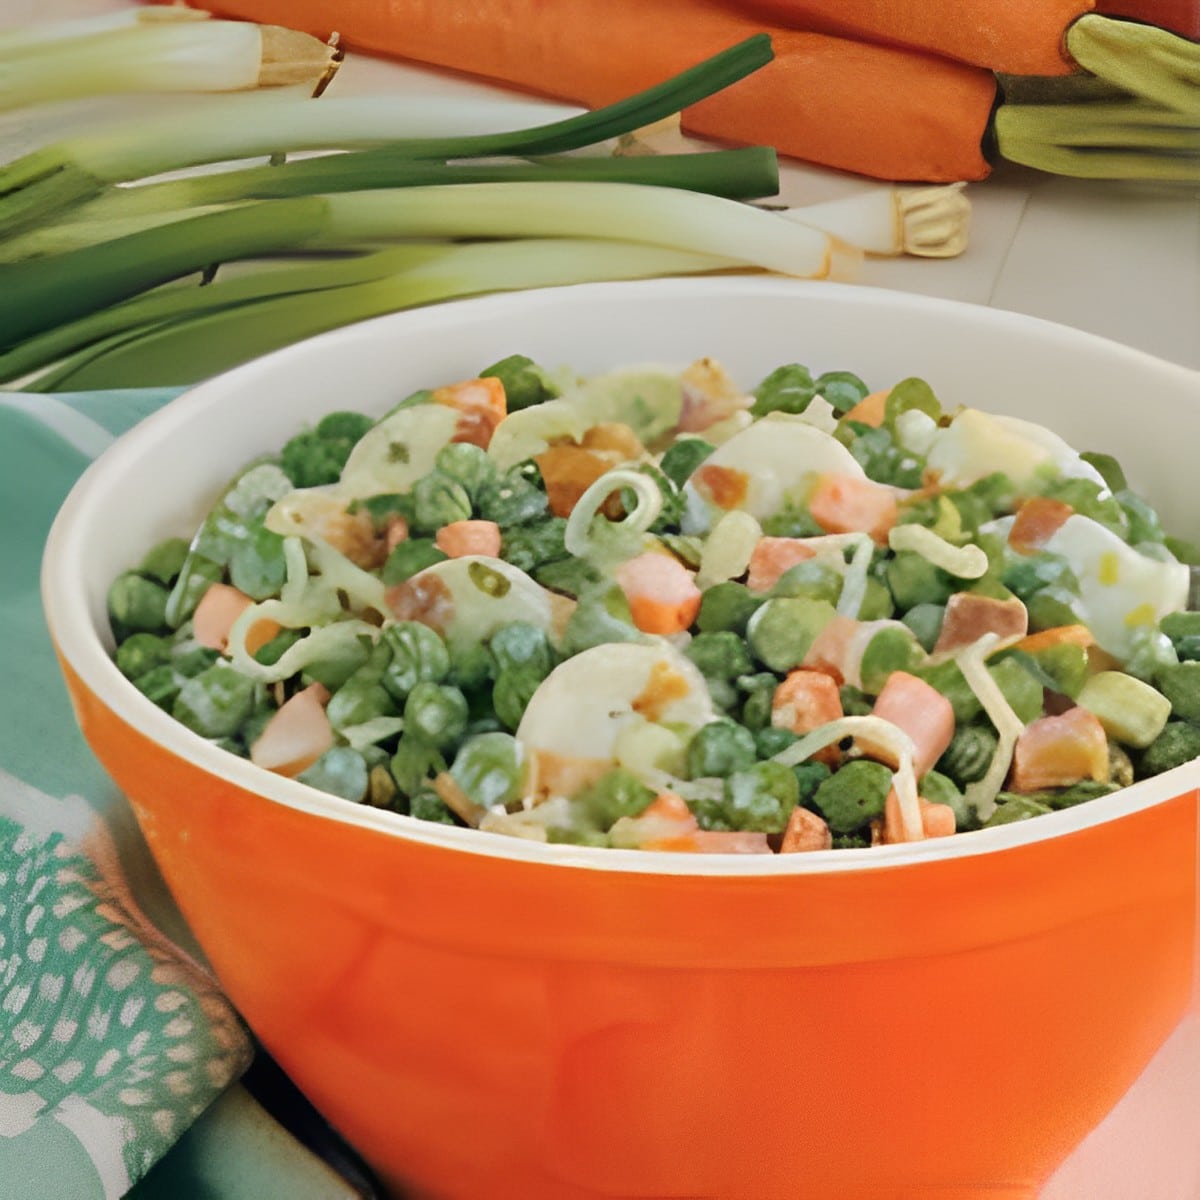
(846, 504)
(772, 557)
(969, 616)
(1059, 635)
(1036, 522)
(869, 410)
(1058, 751)
(568, 471)
(920, 711)
(663, 596)
(482, 405)
(805, 831)
(461, 538)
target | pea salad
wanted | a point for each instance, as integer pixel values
(650, 610)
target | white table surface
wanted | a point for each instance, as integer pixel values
(1119, 260)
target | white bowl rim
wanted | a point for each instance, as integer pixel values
(78, 641)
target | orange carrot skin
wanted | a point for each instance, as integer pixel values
(1178, 16)
(884, 111)
(1020, 37)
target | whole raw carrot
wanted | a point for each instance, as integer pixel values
(1019, 37)
(1179, 16)
(885, 111)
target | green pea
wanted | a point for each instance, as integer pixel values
(1050, 607)
(772, 740)
(893, 648)
(720, 655)
(426, 805)
(720, 748)
(470, 665)
(682, 458)
(216, 702)
(534, 545)
(410, 557)
(787, 389)
(417, 655)
(1183, 550)
(339, 771)
(1110, 470)
(316, 456)
(854, 795)
(521, 644)
(810, 580)
(842, 389)
(925, 620)
(467, 464)
(489, 769)
(1144, 523)
(617, 793)
(415, 763)
(1150, 654)
(762, 797)
(727, 606)
(137, 604)
(525, 383)
(914, 580)
(884, 460)
(969, 754)
(782, 630)
(159, 684)
(570, 576)
(1180, 683)
(1023, 692)
(257, 565)
(511, 499)
(164, 561)
(602, 615)
(1183, 628)
(946, 678)
(439, 500)
(1016, 808)
(792, 520)
(907, 395)
(760, 695)
(358, 701)
(271, 652)
(511, 693)
(382, 508)
(142, 652)
(189, 658)
(855, 702)
(1089, 499)
(1027, 575)
(437, 713)
(877, 602)
(940, 789)
(809, 776)
(252, 727)
(1178, 743)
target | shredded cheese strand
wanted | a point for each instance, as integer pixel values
(577, 537)
(1009, 727)
(887, 736)
(964, 562)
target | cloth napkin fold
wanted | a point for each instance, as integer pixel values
(113, 1038)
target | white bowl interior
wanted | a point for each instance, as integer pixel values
(159, 479)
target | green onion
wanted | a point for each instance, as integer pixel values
(736, 174)
(38, 294)
(44, 182)
(158, 55)
(184, 351)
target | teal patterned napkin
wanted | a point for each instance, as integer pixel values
(113, 1039)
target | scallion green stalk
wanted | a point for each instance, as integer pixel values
(736, 174)
(183, 351)
(42, 183)
(38, 294)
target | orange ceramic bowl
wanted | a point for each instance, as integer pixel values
(487, 1017)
